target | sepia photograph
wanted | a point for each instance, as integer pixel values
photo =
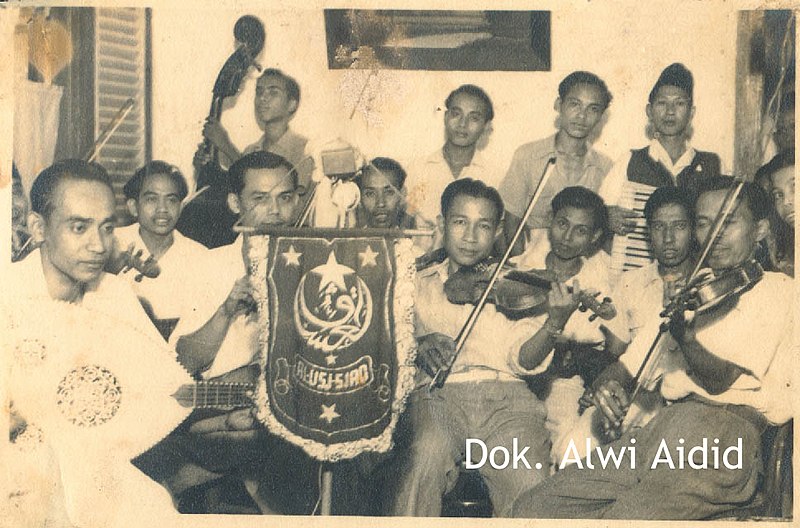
(380, 262)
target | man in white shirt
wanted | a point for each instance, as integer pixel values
(640, 297)
(276, 102)
(468, 117)
(154, 195)
(484, 396)
(221, 337)
(64, 311)
(737, 380)
(669, 160)
(582, 100)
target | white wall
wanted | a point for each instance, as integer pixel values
(627, 44)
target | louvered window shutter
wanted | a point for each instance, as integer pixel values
(121, 73)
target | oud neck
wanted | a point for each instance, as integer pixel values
(215, 395)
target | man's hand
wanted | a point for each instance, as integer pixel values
(682, 327)
(561, 303)
(621, 220)
(434, 352)
(240, 299)
(214, 132)
(613, 401)
(124, 261)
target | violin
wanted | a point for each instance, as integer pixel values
(517, 293)
(708, 290)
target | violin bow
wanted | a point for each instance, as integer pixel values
(91, 155)
(107, 132)
(654, 353)
(463, 334)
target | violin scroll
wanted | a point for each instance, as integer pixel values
(124, 261)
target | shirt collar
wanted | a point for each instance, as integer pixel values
(659, 153)
(591, 159)
(437, 158)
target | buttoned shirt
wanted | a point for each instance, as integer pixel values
(171, 293)
(612, 187)
(526, 171)
(756, 335)
(428, 178)
(639, 299)
(240, 345)
(291, 146)
(492, 349)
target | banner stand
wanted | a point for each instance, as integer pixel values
(326, 490)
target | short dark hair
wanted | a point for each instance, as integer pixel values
(582, 198)
(475, 189)
(292, 88)
(385, 165)
(752, 194)
(474, 91)
(46, 183)
(668, 196)
(258, 160)
(584, 77)
(133, 187)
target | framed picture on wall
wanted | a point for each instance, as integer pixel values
(438, 40)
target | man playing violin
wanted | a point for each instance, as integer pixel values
(732, 387)
(578, 225)
(484, 396)
(641, 295)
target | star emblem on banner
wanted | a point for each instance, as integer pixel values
(332, 272)
(330, 359)
(329, 413)
(292, 256)
(367, 257)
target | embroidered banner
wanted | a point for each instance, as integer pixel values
(337, 339)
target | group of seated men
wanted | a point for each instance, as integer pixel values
(557, 383)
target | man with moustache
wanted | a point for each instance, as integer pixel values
(382, 186)
(732, 387)
(221, 338)
(640, 296)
